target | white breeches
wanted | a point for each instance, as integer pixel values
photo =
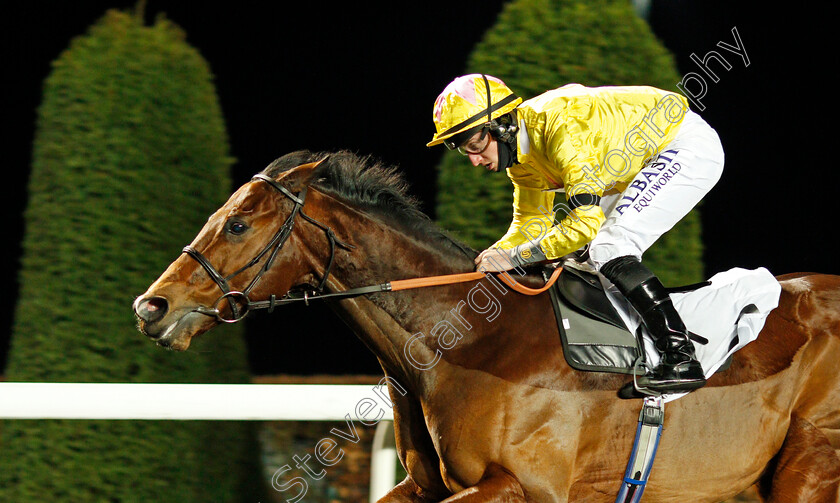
(663, 192)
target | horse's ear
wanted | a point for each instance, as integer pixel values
(298, 178)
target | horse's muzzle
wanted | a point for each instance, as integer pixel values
(169, 326)
(150, 310)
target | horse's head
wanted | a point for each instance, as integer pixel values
(230, 261)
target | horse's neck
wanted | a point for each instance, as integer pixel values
(388, 323)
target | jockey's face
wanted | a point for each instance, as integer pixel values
(482, 150)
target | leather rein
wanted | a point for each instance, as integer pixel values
(241, 304)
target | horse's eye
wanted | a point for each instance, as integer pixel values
(236, 227)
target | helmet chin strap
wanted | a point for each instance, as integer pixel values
(505, 134)
(507, 154)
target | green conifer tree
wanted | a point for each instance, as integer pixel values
(537, 45)
(130, 156)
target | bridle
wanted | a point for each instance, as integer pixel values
(271, 250)
(276, 243)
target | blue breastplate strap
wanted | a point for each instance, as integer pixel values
(648, 433)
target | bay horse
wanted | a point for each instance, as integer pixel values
(490, 410)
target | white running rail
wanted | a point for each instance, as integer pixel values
(209, 402)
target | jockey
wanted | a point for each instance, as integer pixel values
(632, 162)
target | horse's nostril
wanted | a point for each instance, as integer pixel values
(151, 309)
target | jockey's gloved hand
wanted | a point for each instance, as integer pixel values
(527, 253)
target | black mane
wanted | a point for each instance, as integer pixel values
(371, 186)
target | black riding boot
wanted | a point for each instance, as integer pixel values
(678, 369)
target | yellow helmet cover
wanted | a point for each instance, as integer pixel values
(470, 101)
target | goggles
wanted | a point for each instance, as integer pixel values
(476, 143)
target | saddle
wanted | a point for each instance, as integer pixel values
(593, 334)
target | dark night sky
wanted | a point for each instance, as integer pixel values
(363, 76)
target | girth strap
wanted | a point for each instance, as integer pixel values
(645, 445)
